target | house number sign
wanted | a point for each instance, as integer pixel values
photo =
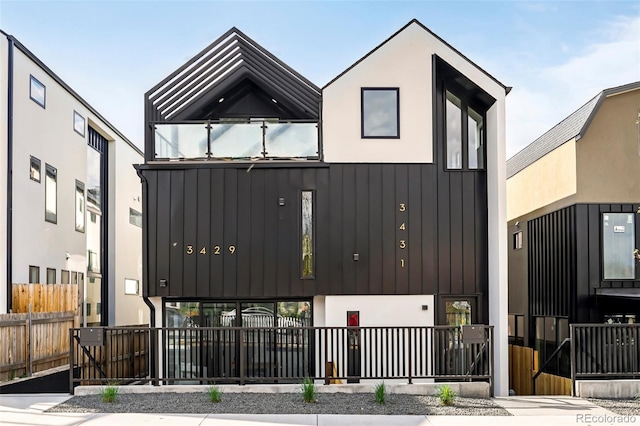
(217, 250)
(402, 242)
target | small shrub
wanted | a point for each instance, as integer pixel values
(109, 393)
(215, 393)
(381, 393)
(446, 395)
(309, 391)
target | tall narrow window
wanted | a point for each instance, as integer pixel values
(64, 277)
(618, 240)
(37, 91)
(78, 123)
(517, 240)
(454, 131)
(475, 140)
(51, 276)
(51, 194)
(308, 269)
(34, 274)
(380, 112)
(135, 217)
(34, 169)
(80, 206)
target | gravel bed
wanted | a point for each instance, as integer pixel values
(624, 407)
(283, 403)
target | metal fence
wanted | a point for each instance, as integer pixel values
(202, 355)
(605, 351)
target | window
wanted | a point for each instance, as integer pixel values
(78, 123)
(517, 240)
(135, 217)
(307, 235)
(74, 277)
(130, 286)
(380, 112)
(51, 276)
(618, 240)
(465, 134)
(34, 274)
(64, 277)
(51, 194)
(88, 309)
(516, 329)
(34, 169)
(80, 205)
(37, 91)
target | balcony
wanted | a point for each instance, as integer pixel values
(236, 140)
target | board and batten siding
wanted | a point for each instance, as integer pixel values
(357, 210)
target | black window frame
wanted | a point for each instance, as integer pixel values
(50, 217)
(312, 276)
(362, 112)
(466, 103)
(33, 80)
(36, 269)
(84, 123)
(518, 240)
(55, 275)
(632, 247)
(34, 160)
(80, 187)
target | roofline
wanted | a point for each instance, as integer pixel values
(61, 82)
(507, 89)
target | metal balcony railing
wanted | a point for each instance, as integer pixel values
(236, 140)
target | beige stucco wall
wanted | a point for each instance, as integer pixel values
(551, 178)
(607, 154)
(3, 176)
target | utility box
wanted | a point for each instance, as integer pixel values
(91, 336)
(473, 334)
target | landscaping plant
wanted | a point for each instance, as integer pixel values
(109, 393)
(215, 393)
(381, 393)
(308, 391)
(446, 395)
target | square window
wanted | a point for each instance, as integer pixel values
(78, 123)
(135, 217)
(51, 194)
(34, 169)
(618, 241)
(34, 274)
(131, 286)
(37, 91)
(51, 276)
(517, 240)
(380, 113)
(64, 277)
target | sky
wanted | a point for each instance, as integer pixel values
(556, 55)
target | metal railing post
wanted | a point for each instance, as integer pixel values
(242, 356)
(409, 348)
(491, 361)
(72, 361)
(573, 348)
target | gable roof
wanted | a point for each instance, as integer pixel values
(227, 61)
(415, 21)
(574, 126)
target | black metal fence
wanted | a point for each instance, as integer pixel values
(202, 355)
(605, 351)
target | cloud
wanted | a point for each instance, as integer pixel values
(545, 96)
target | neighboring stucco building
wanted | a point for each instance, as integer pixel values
(382, 193)
(70, 199)
(573, 202)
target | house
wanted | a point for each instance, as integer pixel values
(377, 200)
(70, 200)
(573, 202)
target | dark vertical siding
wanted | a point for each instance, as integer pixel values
(357, 210)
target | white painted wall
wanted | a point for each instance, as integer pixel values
(388, 311)
(3, 174)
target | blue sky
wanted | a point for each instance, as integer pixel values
(556, 55)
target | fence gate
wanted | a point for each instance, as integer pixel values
(523, 367)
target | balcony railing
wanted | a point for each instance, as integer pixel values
(241, 140)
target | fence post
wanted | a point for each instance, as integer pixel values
(28, 341)
(573, 347)
(491, 361)
(71, 361)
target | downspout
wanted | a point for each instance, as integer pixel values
(145, 286)
(9, 173)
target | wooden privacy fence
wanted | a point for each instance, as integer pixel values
(44, 298)
(33, 342)
(523, 365)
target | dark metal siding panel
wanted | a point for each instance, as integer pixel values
(376, 256)
(184, 217)
(349, 230)
(294, 248)
(216, 286)
(594, 241)
(282, 285)
(335, 228)
(389, 209)
(163, 246)
(481, 237)
(272, 220)
(455, 228)
(261, 209)
(244, 240)
(203, 206)
(402, 197)
(414, 230)
(444, 234)
(429, 231)
(361, 228)
(230, 220)
(322, 233)
(151, 217)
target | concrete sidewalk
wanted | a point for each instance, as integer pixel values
(21, 410)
